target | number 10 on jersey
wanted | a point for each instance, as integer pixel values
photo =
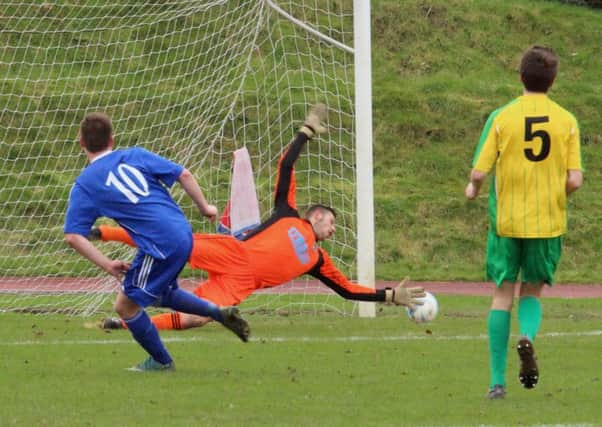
(129, 186)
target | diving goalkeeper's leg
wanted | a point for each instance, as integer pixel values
(108, 233)
(164, 321)
(179, 321)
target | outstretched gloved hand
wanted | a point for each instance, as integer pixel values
(313, 122)
(402, 295)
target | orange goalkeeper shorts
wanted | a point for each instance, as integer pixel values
(231, 278)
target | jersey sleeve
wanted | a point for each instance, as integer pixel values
(574, 153)
(487, 149)
(329, 274)
(164, 170)
(284, 194)
(81, 212)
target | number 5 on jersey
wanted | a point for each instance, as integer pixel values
(530, 135)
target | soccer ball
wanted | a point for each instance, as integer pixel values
(426, 312)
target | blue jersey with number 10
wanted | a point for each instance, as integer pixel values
(130, 186)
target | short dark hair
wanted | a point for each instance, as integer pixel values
(538, 68)
(96, 130)
(319, 208)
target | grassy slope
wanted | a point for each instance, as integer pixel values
(440, 67)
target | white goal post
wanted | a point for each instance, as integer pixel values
(363, 144)
(193, 80)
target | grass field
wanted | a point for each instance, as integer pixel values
(303, 370)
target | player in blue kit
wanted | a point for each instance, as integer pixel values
(130, 187)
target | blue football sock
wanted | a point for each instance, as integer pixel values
(181, 300)
(529, 316)
(147, 336)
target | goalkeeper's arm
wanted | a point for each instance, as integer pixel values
(284, 193)
(329, 274)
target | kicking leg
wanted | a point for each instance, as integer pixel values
(187, 302)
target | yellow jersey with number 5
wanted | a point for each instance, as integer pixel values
(532, 142)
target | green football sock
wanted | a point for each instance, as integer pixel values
(529, 316)
(498, 327)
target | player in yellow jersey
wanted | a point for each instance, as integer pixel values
(534, 145)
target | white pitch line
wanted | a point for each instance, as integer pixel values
(299, 339)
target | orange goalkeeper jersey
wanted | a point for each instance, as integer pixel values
(284, 246)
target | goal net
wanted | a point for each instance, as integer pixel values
(190, 80)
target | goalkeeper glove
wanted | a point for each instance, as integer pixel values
(407, 297)
(312, 125)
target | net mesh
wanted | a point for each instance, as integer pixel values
(190, 80)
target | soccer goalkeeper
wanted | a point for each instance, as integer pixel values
(278, 250)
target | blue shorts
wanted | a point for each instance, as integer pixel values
(148, 279)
